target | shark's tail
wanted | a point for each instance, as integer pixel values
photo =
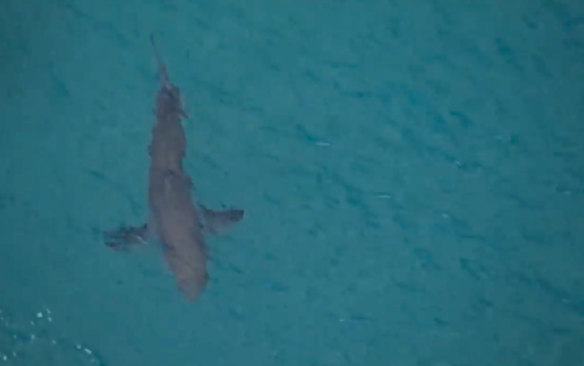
(164, 80)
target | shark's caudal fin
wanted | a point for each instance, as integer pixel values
(164, 80)
(215, 221)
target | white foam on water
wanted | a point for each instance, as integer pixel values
(31, 341)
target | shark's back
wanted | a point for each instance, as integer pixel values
(177, 222)
(179, 230)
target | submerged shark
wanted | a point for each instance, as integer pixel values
(174, 221)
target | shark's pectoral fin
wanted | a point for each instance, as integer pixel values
(124, 237)
(215, 221)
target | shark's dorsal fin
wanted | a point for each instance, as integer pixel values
(215, 221)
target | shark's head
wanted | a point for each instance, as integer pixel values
(193, 288)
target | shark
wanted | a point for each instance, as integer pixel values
(174, 220)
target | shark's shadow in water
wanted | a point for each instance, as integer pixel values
(174, 221)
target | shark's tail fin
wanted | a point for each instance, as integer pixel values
(164, 80)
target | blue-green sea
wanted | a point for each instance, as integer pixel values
(412, 174)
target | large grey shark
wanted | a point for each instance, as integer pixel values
(174, 221)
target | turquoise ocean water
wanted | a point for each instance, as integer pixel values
(412, 174)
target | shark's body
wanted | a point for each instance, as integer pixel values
(174, 220)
